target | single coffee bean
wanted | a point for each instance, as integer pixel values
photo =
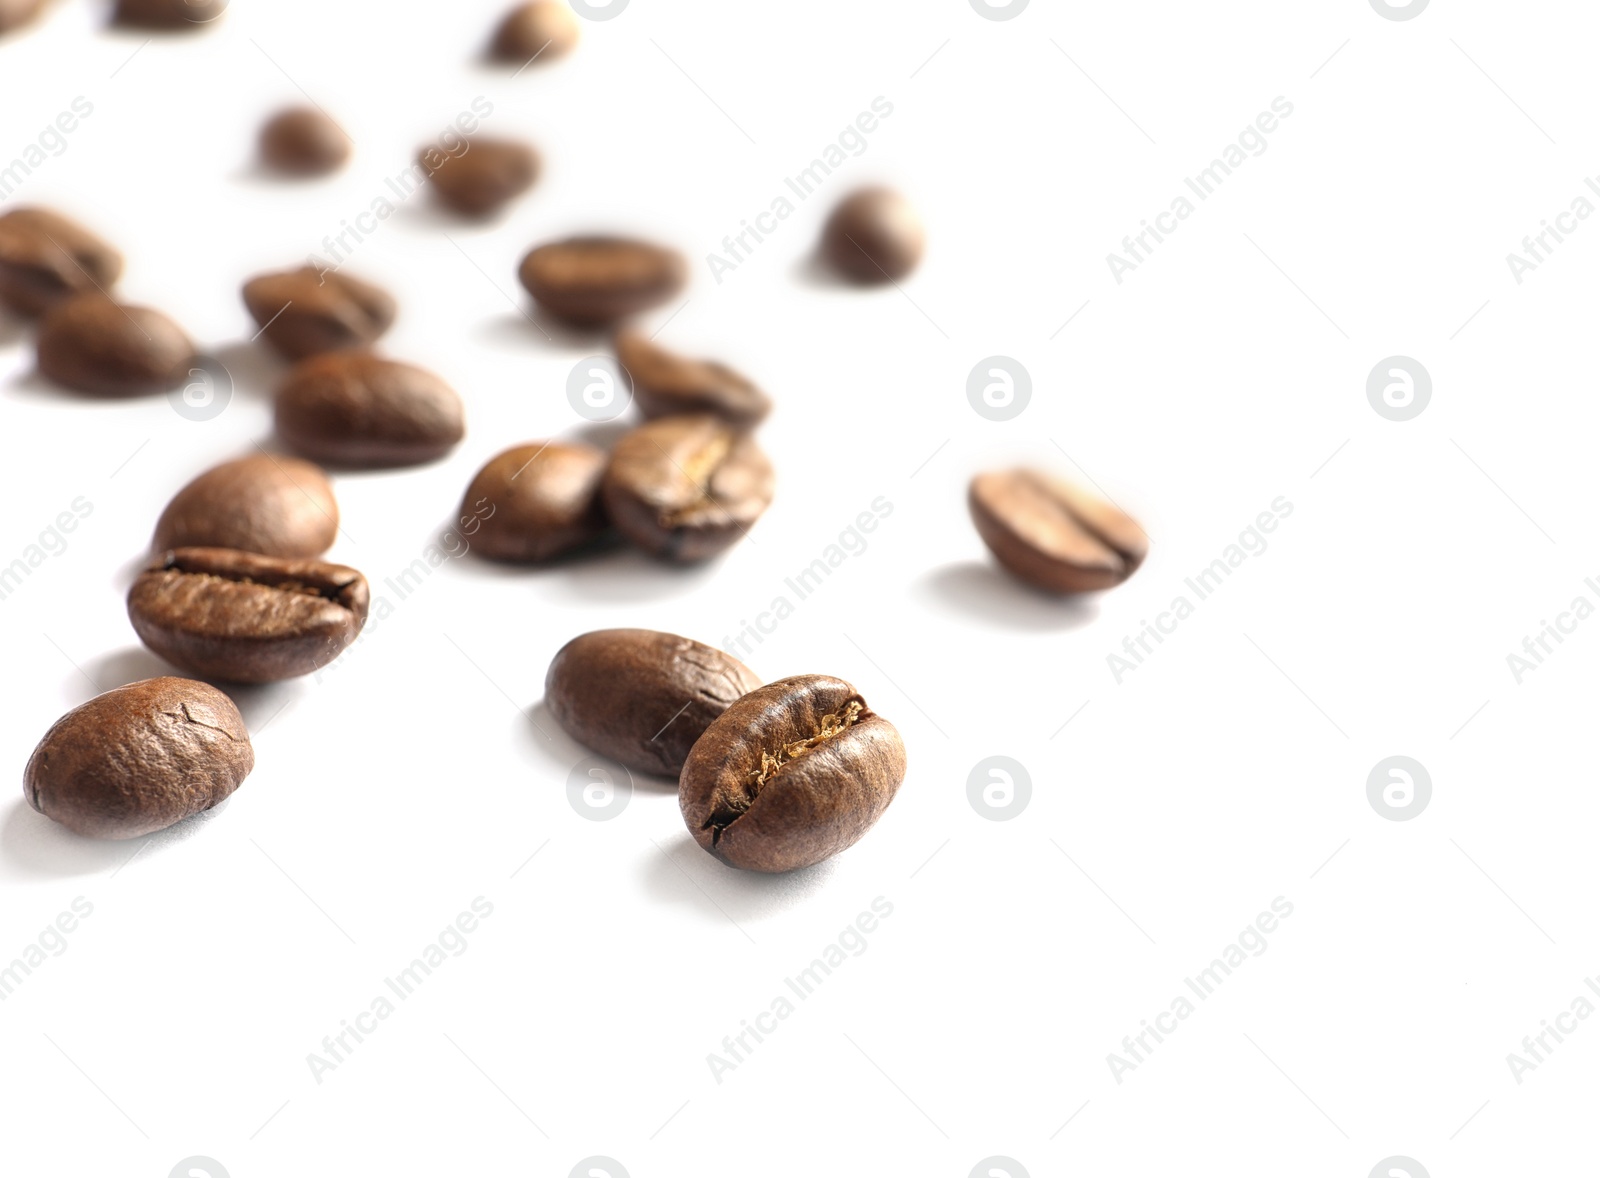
(355, 409)
(665, 384)
(1054, 535)
(271, 505)
(536, 501)
(305, 313)
(790, 774)
(246, 618)
(595, 281)
(16, 13)
(484, 177)
(685, 488)
(538, 32)
(873, 236)
(167, 14)
(93, 345)
(642, 697)
(303, 141)
(46, 258)
(139, 758)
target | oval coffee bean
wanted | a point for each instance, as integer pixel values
(139, 758)
(264, 504)
(595, 281)
(1053, 535)
(790, 774)
(685, 488)
(45, 258)
(536, 501)
(305, 312)
(167, 14)
(94, 345)
(246, 618)
(873, 236)
(484, 177)
(642, 697)
(541, 31)
(303, 141)
(355, 409)
(665, 384)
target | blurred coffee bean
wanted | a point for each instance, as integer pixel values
(267, 504)
(45, 258)
(873, 236)
(94, 345)
(305, 312)
(167, 14)
(665, 383)
(538, 32)
(356, 409)
(595, 281)
(16, 13)
(484, 177)
(302, 141)
(1054, 535)
(534, 502)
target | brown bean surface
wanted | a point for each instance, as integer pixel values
(305, 312)
(92, 345)
(357, 409)
(596, 281)
(265, 503)
(1052, 534)
(46, 258)
(666, 384)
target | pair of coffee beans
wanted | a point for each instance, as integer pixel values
(1054, 535)
(770, 778)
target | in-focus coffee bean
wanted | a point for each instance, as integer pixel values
(538, 32)
(873, 236)
(92, 345)
(356, 409)
(536, 501)
(642, 697)
(685, 488)
(485, 177)
(596, 281)
(790, 774)
(167, 14)
(305, 312)
(246, 618)
(1053, 535)
(303, 141)
(46, 258)
(268, 504)
(139, 758)
(665, 384)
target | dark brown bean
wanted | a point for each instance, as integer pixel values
(46, 258)
(139, 758)
(16, 13)
(596, 281)
(790, 774)
(246, 618)
(264, 504)
(642, 697)
(167, 14)
(485, 177)
(94, 345)
(539, 32)
(873, 236)
(666, 384)
(356, 409)
(303, 141)
(535, 502)
(305, 312)
(1053, 535)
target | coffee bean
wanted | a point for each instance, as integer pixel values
(685, 488)
(538, 32)
(642, 697)
(1053, 535)
(246, 618)
(303, 141)
(305, 313)
(665, 384)
(45, 258)
(790, 774)
(167, 14)
(355, 409)
(93, 345)
(139, 758)
(16, 13)
(536, 501)
(595, 281)
(484, 177)
(873, 236)
(264, 504)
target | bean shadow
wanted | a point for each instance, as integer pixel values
(539, 328)
(129, 665)
(813, 272)
(625, 575)
(254, 368)
(687, 876)
(978, 591)
(14, 329)
(34, 847)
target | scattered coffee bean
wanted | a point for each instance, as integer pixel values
(274, 506)
(139, 758)
(538, 32)
(305, 313)
(536, 501)
(1053, 535)
(596, 281)
(642, 697)
(303, 141)
(246, 618)
(685, 488)
(355, 409)
(167, 14)
(16, 13)
(873, 236)
(93, 345)
(484, 177)
(790, 774)
(665, 384)
(45, 259)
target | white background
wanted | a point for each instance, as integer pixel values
(1228, 370)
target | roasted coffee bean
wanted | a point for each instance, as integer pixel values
(246, 618)
(685, 488)
(873, 236)
(264, 504)
(642, 697)
(94, 345)
(355, 409)
(538, 32)
(536, 501)
(1053, 535)
(305, 313)
(303, 141)
(139, 758)
(790, 774)
(596, 281)
(483, 178)
(167, 14)
(45, 258)
(16, 13)
(665, 384)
